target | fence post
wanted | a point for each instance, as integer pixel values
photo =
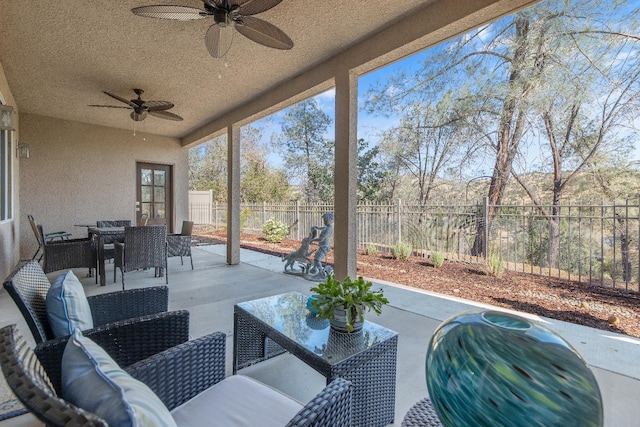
(209, 205)
(297, 219)
(264, 211)
(485, 215)
(215, 215)
(399, 221)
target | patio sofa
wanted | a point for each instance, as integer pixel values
(188, 380)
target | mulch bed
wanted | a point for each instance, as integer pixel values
(609, 309)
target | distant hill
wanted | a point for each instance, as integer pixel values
(591, 187)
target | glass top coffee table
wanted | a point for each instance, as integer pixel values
(267, 327)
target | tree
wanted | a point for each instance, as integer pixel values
(258, 181)
(505, 76)
(371, 177)
(428, 141)
(487, 74)
(208, 168)
(308, 155)
(588, 101)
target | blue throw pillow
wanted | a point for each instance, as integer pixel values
(93, 381)
(67, 306)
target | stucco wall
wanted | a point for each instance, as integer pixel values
(79, 173)
(9, 230)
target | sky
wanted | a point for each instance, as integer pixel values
(371, 126)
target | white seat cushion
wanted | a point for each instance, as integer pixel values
(237, 401)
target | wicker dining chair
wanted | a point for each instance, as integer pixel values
(70, 253)
(108, 240)
(28, 286)
(113, 223)
(41, 237)
(186, 373)
(143, 248)
(180, 244)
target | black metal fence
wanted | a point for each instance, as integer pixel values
(589, 243)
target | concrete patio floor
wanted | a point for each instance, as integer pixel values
(210, 291)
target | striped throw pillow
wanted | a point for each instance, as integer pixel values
(93, 381)
(67, 306)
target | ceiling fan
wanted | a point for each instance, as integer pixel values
(141, 108)
(226, 12)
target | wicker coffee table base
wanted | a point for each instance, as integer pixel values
(422, 414)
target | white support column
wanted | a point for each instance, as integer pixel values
(346, 165)
(233, 195)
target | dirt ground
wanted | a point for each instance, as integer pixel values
(589, 305)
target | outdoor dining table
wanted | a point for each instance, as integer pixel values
(268, 327)
(105, 235)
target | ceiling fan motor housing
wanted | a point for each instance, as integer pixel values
(220, 17)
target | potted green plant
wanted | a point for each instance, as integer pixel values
(344, 302)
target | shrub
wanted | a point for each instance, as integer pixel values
(371, 250)
(401, 251)
(275, 231)
(245, 215)
(437, 258)
(495, 266)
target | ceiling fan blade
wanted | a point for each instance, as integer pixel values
(262, 32)
(253, 7)
(166, 115)
(176, 13)
(157, 105)
(109, 106)
(138, 117)
(218, 40)
(121, 99)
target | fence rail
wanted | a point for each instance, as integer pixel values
(589, 243)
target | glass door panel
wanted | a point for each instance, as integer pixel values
(155, 194)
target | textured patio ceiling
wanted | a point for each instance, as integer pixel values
(58, 57)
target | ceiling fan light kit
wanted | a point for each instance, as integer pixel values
(219, 36)
(138, 117)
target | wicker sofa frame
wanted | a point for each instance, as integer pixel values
(176, 375)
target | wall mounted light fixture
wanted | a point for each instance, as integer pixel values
(6, 117)
(22, 150)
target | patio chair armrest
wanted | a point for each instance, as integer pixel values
(180, 373)
(121, 305)
(127, 341)
(330, 407)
